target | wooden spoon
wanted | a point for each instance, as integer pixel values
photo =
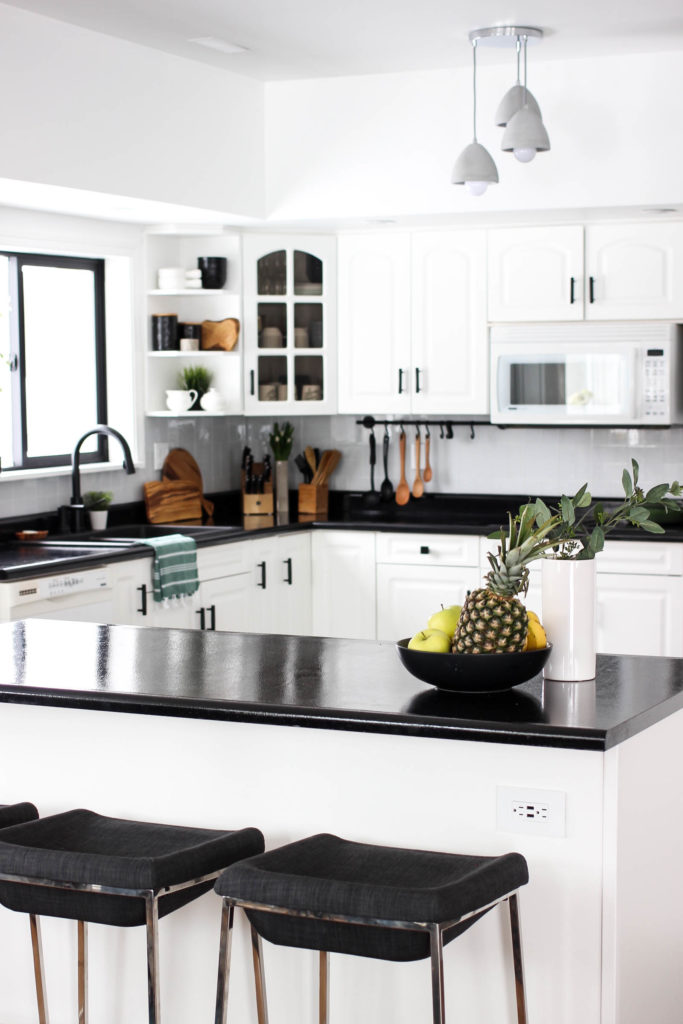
(310, 458)
(418, 486)
(403, 490)
(428, 469)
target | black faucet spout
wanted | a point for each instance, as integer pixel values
(101, 428)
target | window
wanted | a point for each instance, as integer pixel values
(53, 370)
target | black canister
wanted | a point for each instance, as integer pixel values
(164, 332)
(214, 271)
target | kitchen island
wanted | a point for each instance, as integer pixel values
(300, 735)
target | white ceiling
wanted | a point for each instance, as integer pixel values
(290, 39)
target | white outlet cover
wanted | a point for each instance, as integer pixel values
(531, 812)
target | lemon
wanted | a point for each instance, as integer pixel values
(535, 638)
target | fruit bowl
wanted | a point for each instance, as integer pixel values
(473, 673)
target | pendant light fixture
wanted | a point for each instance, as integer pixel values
(525, 134)
(475, 167)
(516, 97)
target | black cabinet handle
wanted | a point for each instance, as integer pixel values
(142, 610)
(202, 618)
(212, 611)
(262, 567)
(251, 380)
(400, 382)
(424, 550)
(288, 577)
(591, 289)
(572, 283)
(417, 380)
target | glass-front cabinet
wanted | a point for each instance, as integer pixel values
(289, 324)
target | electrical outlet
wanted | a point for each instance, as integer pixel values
(161, 450)
(533, 812)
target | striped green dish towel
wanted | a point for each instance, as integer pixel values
(174, 573)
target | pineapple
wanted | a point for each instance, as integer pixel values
(493, 619)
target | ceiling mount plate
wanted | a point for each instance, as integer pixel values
(505, 35)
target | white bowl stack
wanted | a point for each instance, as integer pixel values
(177, 279)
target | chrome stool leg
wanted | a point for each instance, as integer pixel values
(516, 933)
(227, 918)
(38, 968)
(259, 979)
(82, 972)
(152, 919)
(436, 951)
(324, 990)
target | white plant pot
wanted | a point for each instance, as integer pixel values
(569, 617)
(98, 518)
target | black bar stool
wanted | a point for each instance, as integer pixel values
(333, 895)
(90, 868)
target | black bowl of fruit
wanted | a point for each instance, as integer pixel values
(427, 656)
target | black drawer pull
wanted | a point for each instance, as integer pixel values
(400, 382)
(288, 577)
(212, 610)
(251, 382)
(417, 380)
(262, 567)
(571, 291)
(424, 550)
(591, 289)
(142, 610)
(202, 618)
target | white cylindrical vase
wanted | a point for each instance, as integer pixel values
(569, 617)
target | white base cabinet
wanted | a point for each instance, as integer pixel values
(279, 596)
(343, 575)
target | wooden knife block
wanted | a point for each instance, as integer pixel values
(258, 509)
(313, 502)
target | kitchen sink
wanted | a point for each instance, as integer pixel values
(135, 532)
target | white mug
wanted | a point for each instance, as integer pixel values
(180, 401)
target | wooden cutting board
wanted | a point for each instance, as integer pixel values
(172, 501)
(179, 464)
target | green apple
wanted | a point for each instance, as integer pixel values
(434, 640)
(446, 619)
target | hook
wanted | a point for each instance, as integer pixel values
(427, 434)
(471, 431)
(417, 431)
(403, 433)
(442, 433)
(449, 430)
(386, 428)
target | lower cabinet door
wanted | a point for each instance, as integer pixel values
(640, 614)
(290, 569)
(343, 574)
(226, 605)
(408, 594)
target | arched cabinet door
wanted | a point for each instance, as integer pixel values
(634, 271)
(289, 325)
(535, 274)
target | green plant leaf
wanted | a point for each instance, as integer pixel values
(657, 492)
(543, 513)
(596, 541)
(651, 527)
(636, 469)
(639, 514)
(627, 483)
(568, 513)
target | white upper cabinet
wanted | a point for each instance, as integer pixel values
(374, 323)
(289, 325)
(412, 323)
(449, 336)
(535, 273)
(634, 271)
(630, 272)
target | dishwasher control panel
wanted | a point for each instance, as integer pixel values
(63, 585)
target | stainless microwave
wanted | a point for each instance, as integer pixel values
(599, 374)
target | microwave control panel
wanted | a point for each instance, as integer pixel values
(656, 385)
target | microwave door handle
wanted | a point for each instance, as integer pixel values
(502, 367)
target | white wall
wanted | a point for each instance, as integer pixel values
(383, 145)
(88, 111)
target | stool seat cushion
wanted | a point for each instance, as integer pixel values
(82, 847)
(328, 875)
(15, 814)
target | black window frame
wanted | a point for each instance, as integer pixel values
(17, 261)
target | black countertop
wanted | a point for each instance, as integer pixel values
(353, 685)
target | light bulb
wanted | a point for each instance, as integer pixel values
(476, 188)
(525, 155)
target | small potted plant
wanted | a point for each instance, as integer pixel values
(97, 504)
(195, 378)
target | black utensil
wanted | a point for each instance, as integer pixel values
(386, 491)
(371, 497)
(304, 468)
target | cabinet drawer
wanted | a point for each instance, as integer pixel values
(427, 549)
(641, 558)
(223, 560)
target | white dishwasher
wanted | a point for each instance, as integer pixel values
(83, 595)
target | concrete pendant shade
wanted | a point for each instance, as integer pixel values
(513, 100)
(475, 163)
(525, 130)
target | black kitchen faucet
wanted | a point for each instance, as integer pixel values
(77, 507)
